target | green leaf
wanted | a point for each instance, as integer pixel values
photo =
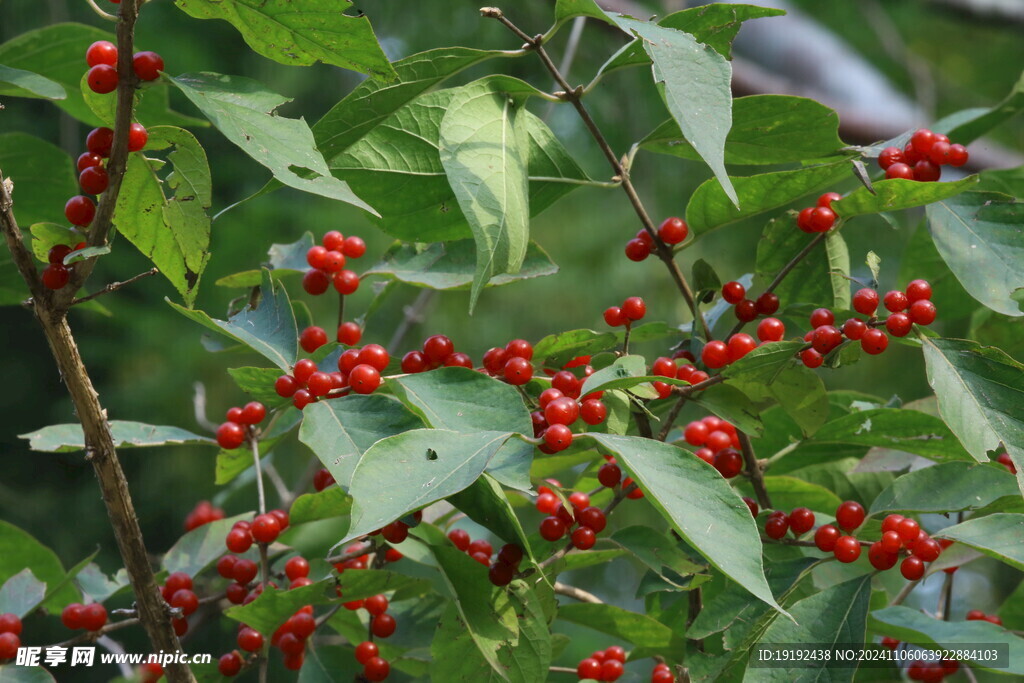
(946, 487)
(463, 400)
(896, 194)
(980, 237)
(810, 280)
(789, 492)
(330, 503)
(484, 147)
(152, 106)
(969, 125)
(838, 270)
(638, 629)
(981, 396)
(20, 551)
(450, 265)
(259, 384)
(99, 586)
(798, 390)
(710, 207)
(268, 329)
(694, 81)
(997, 535)
(21, 594)
(243, 110)
(627, 372)
(328, 663)
(921, 259)
(454, 653)
(766, 129)
(834, 616)
(397, 167)
(43, 177)
(274, 606)
(568, 9)
(68, 437)
(172, 231)
(484, 611)
(403, 473)
(905, 430)
(699, 504)
(486, 504)
(339, 431)
(13, 290)
(911, 626)
(732, 405)
(764, 363)
(25, 674)
(45, 236)
(231, 463)
(18, 82)
(658, 551)
(199, 548)
(559, 348)
(317, 31)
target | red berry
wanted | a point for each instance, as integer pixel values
(592, 517)
(437, 348)
(865, 301)
(186, 600)
(803, 219)
(751, 505)
(102, 79)
(519, 348)
(414, 362)
(55, 276)
(250, 639)
(265, 528)
(137, 137)
(922, 140)
(376, 604)
(460, 538)
(10, 623)
(899, 170)
(88, 160)
(801, 520)
(822, 219)
(364, 379)
(312, 338)
(745, 310)
(850, 515)
(637, 249)
(740, 344)
(93, 180)
(315, 282)
(826, 537)
(510, 555)
(917, 290)
(615, 652)
(908, 530)
(614, 317)
(634, 308)
(376, 669)
(589, 668)
(895, 301)
(771, 329)
(552, 528)
(238, 540)
(1006, 461)
(718, 439)
(826, 338)
(253, 413)
(333, 240)
(874, 341)
(811, 358)
(767, 303)
(354, 247)
(912, 568)
(229, 664)
(383, 625)
(926, 172)
(99, 141)
(346, 282)
(375, 356)
(890, 156)
(939, 153)
(334, 261)
(733, 292)
(349, 333)
(922, 312)
(398, 531)
(826, 199)
(728, 462)
(94, 616)
(928, 550)
(518, 371)
(80, 210)
(609, 475)
(558, 437)
(715, 354)
(880, 558)
(673, 230)
(244, 571)
(854, 329)
(561, 411)
(593, 411)
(583, 538)
(230, 435)
(365, 651)
(611, 670)
(285, 386)
(696, 433)
(898, 324)
(316, 257)
(957, 155)
(147, 65)
(547, 503)
(101, 52)
(776, 527)
(847, 549)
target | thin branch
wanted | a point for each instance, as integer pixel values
(254, 445)
(689, 390)
(670, 419)
(283, 494)
(696, 604)
(100, 12)
(413, 315)
(902, 595)
(561, 670)
(754, 470)
(114, 286)
(576, 593)
(573, 95)
(91, 636)
(359, 552)
(199, 407)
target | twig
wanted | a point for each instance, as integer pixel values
(576, 593)
(670, 419)
(573, 95)
(695, 607)
(902, 595)
(643, 424)
(199, 407)
(754, 470)
(341, 308)
(100, 12)
(326, 616)
(945, 599)
(114, 286)
(413, 315)
(561, 670)
(359, 552)
(254, 444)
(619, 496)
(688, 390)
(90, 636)
(283, 494)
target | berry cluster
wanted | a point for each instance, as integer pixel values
(560, 408)
(327, 264)
(91, 617)
(313, 337)
(922, 158)
(439, 351)
(631, 310)
(819, 218)
(502, 569)
(588, 519)
(978, 615)
(202, 513)
(358, 370)
(932, 671)
(264, 528)
(375, 667)
(511, 363)
(610, 476)
(672, 231)
(604, 665)
(748, 309)
(177, 592)
(240, 421)
(10, 635)
(102, 60)
(717, 443)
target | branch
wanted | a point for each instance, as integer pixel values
(902, 595)
(754, 468)
(573, 95)
(576, 593)
(127, 82)
(413, 315)
(670, 419)
(114, 286)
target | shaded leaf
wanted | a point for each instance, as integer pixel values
(198, 549)
(638, 629)
(20, 551)
(43, 177)
(906, 430)
(998, 535)
(898, 193)
(69, 437)
(18, 82)
(946, 487)
(21, 594)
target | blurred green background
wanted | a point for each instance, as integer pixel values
(145, 359)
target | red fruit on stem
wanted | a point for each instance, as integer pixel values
(147, 65)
